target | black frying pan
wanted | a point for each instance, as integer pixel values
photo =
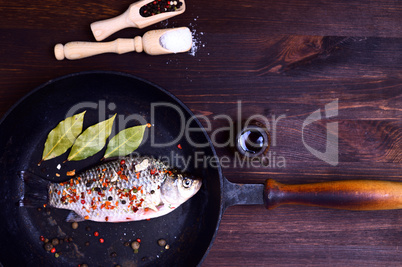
(189, 230)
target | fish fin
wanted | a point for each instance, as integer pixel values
(74, 217)
(153, 207)
(36, 190)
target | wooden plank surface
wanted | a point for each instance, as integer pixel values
(278, 58)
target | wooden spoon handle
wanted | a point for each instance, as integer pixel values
(347, 195)
(104, 28)
(77, 50)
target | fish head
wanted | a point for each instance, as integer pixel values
(177, 188)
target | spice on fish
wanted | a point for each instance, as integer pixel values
(71, 173)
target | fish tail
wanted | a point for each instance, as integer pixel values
(35, 190)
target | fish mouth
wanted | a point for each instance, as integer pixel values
(197, 183)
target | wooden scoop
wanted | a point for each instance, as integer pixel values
(150, 43)
(131, 18)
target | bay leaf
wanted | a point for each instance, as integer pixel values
(92, 140)
(126, 141)
(62, 137)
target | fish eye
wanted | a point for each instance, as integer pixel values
(187, 182)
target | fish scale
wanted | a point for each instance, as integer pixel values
(123, 190)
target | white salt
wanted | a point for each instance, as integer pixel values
(179, 40)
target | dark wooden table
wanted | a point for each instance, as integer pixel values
(282, 59)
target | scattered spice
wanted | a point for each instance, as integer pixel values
(126, 244)
(39, 209)
(55, 241)
(48, 246)
(135, 245)
(87, 243)
(88, 228)
(113, 255)
(74, 225)
(162, 242)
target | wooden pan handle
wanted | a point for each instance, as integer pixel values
(77, 50)
(347, 195)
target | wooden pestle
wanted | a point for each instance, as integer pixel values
(131, 18)
(149, 43)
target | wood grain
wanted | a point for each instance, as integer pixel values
(278, 58)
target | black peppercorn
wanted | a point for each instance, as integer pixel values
(48, 246)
